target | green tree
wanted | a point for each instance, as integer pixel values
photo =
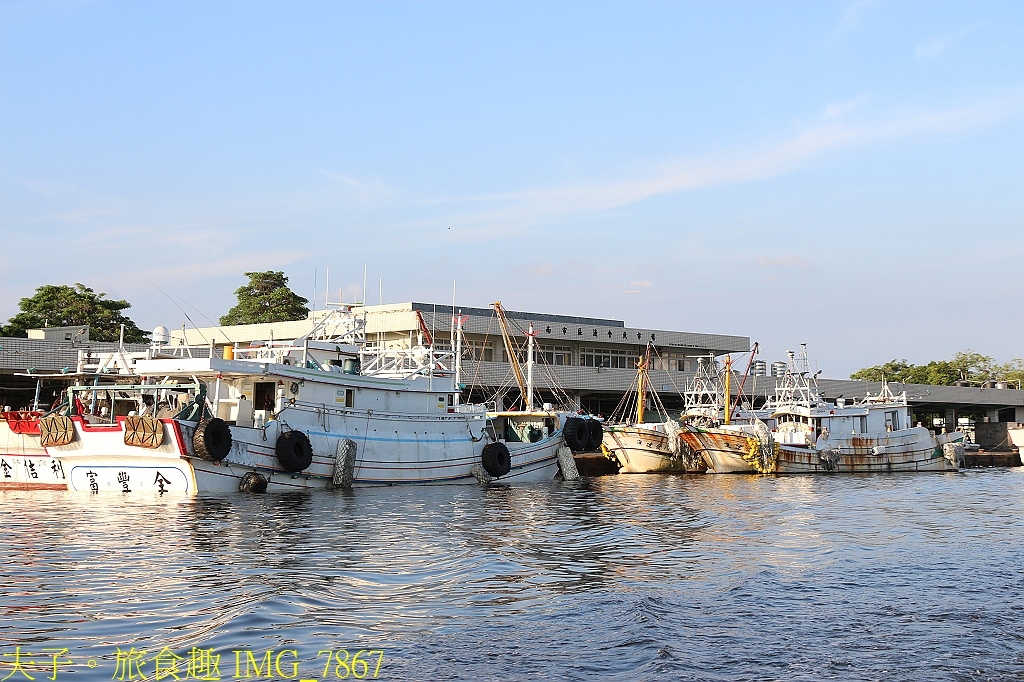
(266, 298)
(64, 306)
(973, 367)
(965, 366)
(894, 370)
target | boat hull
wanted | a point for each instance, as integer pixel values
(723, 451)
(389, 450)
(643, 451)
(914, 449)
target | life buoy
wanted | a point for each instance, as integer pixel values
(576, 434)
(496, 459)
(595, 432)
(212, 440)
(294, 451)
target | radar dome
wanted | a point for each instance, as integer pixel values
(161, 335)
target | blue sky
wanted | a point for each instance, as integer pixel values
(846, 174)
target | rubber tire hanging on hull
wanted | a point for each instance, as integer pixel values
(294, 451)
(576, 434)
(212, 440)
(496, 459)
(595, 432)
(253, 482)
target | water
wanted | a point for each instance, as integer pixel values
(618, 577)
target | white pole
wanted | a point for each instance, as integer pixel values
(529, 370)
(458, 355)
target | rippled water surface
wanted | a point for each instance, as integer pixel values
(618, 577)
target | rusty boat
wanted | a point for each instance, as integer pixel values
(870, 434)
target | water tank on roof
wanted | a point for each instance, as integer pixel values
(161, 334)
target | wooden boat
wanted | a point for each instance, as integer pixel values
(727, 434)
(639, 446)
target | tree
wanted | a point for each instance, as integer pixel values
(64, 306)
(266, 298)
(965, 366)
(894, 370)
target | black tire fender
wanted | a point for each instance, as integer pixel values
(496, 459)
(575, 433)
(294, 451)
(595, 432)
(212, 440)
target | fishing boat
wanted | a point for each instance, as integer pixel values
(869, 434)
(728, 434)
(321, 411)
(640, 446)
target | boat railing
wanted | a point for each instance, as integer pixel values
(406, 362)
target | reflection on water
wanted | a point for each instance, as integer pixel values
(631, 577)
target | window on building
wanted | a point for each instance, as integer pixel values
(556, 355)
(607, 357)
(478, 350)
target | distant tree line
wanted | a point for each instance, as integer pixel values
(266, 298)
(967, 365)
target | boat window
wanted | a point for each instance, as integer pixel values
(892, 421)
(263, 395)
(863, 425)
(350, 397)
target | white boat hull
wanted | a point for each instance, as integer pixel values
(914, 449)
(436, 450)
(642, 451)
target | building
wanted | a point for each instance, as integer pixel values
(586, 362)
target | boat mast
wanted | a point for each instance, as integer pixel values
(641, 385)
(510, 349)
(529, 367)
(728, 377)
(458, 356)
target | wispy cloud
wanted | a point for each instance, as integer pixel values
(936, 46)
(784, 262)
(853, 16)
(836, 110)
(641, 283)
(496, 215)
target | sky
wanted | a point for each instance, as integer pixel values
(848, 175)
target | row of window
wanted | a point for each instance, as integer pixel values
(588, 357)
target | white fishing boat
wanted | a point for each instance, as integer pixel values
(639, 446)
(870, 434)
(322, 411)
